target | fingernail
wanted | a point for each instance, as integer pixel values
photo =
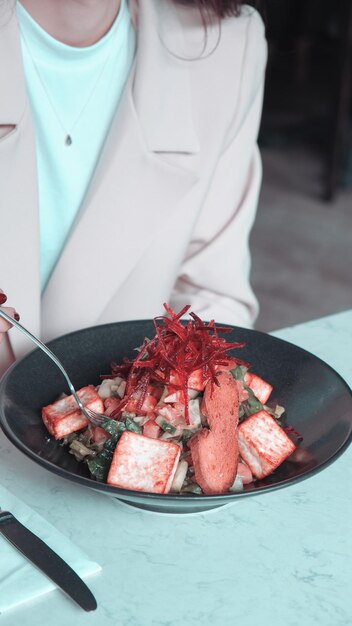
(17, 317)
(3, 298)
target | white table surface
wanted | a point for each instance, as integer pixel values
(282, 558)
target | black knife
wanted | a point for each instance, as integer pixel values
(46, 560)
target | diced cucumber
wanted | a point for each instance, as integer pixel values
(125, 414)
(180, 476)
(278, 411)
(132, 426)
(237, 485)
(109, 388)
(141, 419)
(187, 434)
(163, 395)
(164, 425)
(194, 414)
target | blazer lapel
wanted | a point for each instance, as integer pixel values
(19, 227)
(135, 186)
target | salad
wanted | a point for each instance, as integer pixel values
(187, 416)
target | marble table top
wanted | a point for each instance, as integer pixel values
(282, 558)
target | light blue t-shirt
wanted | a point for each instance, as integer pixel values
(72, 91)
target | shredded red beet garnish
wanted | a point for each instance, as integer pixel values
(294, 433)
(176, 351)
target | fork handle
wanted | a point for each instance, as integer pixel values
(48, 352)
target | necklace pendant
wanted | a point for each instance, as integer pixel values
(68, 140)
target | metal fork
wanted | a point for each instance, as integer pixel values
(97, 419)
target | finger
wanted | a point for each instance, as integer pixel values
(3, 297)
(4, 325)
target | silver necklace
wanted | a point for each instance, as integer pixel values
(67, 132)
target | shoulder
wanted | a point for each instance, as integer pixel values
(207, 74)
(231, 41)
(218, 52)
(244, 35)
(226, 60)
(248, 24)
(185, 32)
(236, 49)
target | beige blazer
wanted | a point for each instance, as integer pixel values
(169, 209)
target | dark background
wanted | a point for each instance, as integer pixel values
(309, 81)
(302, 238)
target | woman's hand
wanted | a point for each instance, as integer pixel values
(4, 326)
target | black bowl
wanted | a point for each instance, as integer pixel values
(317, 400)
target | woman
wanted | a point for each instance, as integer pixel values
(143, 195)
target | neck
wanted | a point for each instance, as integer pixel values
(78, 23)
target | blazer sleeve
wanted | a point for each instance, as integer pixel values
(215, 273)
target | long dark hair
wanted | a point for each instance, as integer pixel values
(218, 8)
